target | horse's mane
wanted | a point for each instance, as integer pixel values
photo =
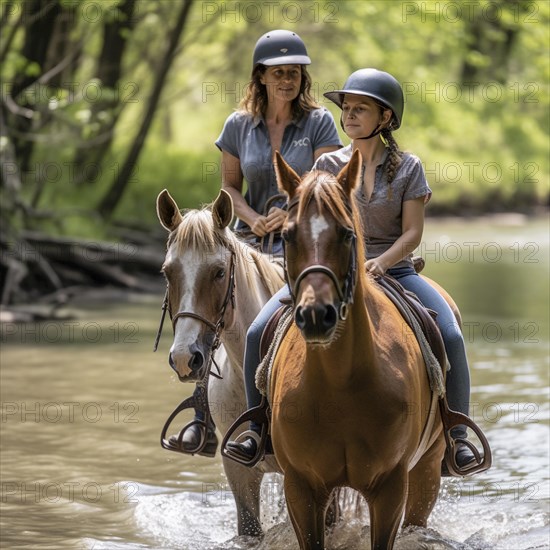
(323, 188)
(198, 232)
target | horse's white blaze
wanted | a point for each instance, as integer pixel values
(317, 226)
(187, 329)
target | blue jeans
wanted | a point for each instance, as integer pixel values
(458, 378)
(252, 348)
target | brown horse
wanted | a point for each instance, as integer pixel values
(351, 400)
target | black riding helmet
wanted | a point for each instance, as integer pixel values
(280, 47)
(379, 85)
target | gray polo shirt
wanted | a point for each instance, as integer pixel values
(247, 138)
(382, 214)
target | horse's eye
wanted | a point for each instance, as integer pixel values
(349, 235)
(220, 274)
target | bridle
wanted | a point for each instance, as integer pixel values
(345, 290)
(199, 400)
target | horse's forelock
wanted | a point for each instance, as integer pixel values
(325, 190)
(197, 232)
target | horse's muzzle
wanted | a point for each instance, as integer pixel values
(317, 322)
(195, 364)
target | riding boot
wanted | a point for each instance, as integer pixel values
(192, 438)
(463, 456)
(247, 448)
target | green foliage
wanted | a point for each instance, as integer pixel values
(484, 147)
(193, 179)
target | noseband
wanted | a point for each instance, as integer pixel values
(345, 291)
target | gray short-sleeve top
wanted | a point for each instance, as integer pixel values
(247, 138)
(382, 213)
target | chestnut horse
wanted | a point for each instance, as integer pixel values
(203, 259)
(350, 396)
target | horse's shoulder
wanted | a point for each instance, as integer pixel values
(381, 309)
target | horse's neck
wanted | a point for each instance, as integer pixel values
(356, 343)
(249, 301)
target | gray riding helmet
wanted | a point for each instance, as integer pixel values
(280, 47)
(379, 85)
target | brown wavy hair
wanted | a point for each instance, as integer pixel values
(255, 99)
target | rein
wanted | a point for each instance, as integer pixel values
(345, 291)
(199, 400)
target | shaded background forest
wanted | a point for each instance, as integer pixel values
(105, 103)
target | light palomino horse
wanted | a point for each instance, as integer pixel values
(197, 267)
(349, 389)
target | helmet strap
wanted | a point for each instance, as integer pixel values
(375, 132)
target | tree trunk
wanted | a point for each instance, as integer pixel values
(41, 15)
(111, 199)
(109, 69)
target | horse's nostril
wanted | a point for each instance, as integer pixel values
(171, 361)
(331, 317)
(196, 361)
(317, 320)
(299, 318)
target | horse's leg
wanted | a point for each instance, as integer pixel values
(245, 484)
(386, 509)
(306, 507)
(424, 482)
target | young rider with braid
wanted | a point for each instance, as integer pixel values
(391, 199)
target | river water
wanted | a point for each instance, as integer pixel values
(83, 401)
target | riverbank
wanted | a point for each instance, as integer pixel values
(88, 272)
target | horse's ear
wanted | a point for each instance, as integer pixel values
(287, 179)
(222, 209)
(168, 212)
(350, 174)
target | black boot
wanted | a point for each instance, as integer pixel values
(192, 439)
(246, 450)
(463, 456)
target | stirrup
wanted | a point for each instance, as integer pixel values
(177, 441)
(258, 415)
(177, 446)
(452, 419)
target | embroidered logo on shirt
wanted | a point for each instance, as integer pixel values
(304, 142)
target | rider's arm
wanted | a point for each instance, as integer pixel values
(412, 228)
(232, 182)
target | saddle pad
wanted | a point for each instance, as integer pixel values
(420, 319)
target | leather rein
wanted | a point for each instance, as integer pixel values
(345, 290)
